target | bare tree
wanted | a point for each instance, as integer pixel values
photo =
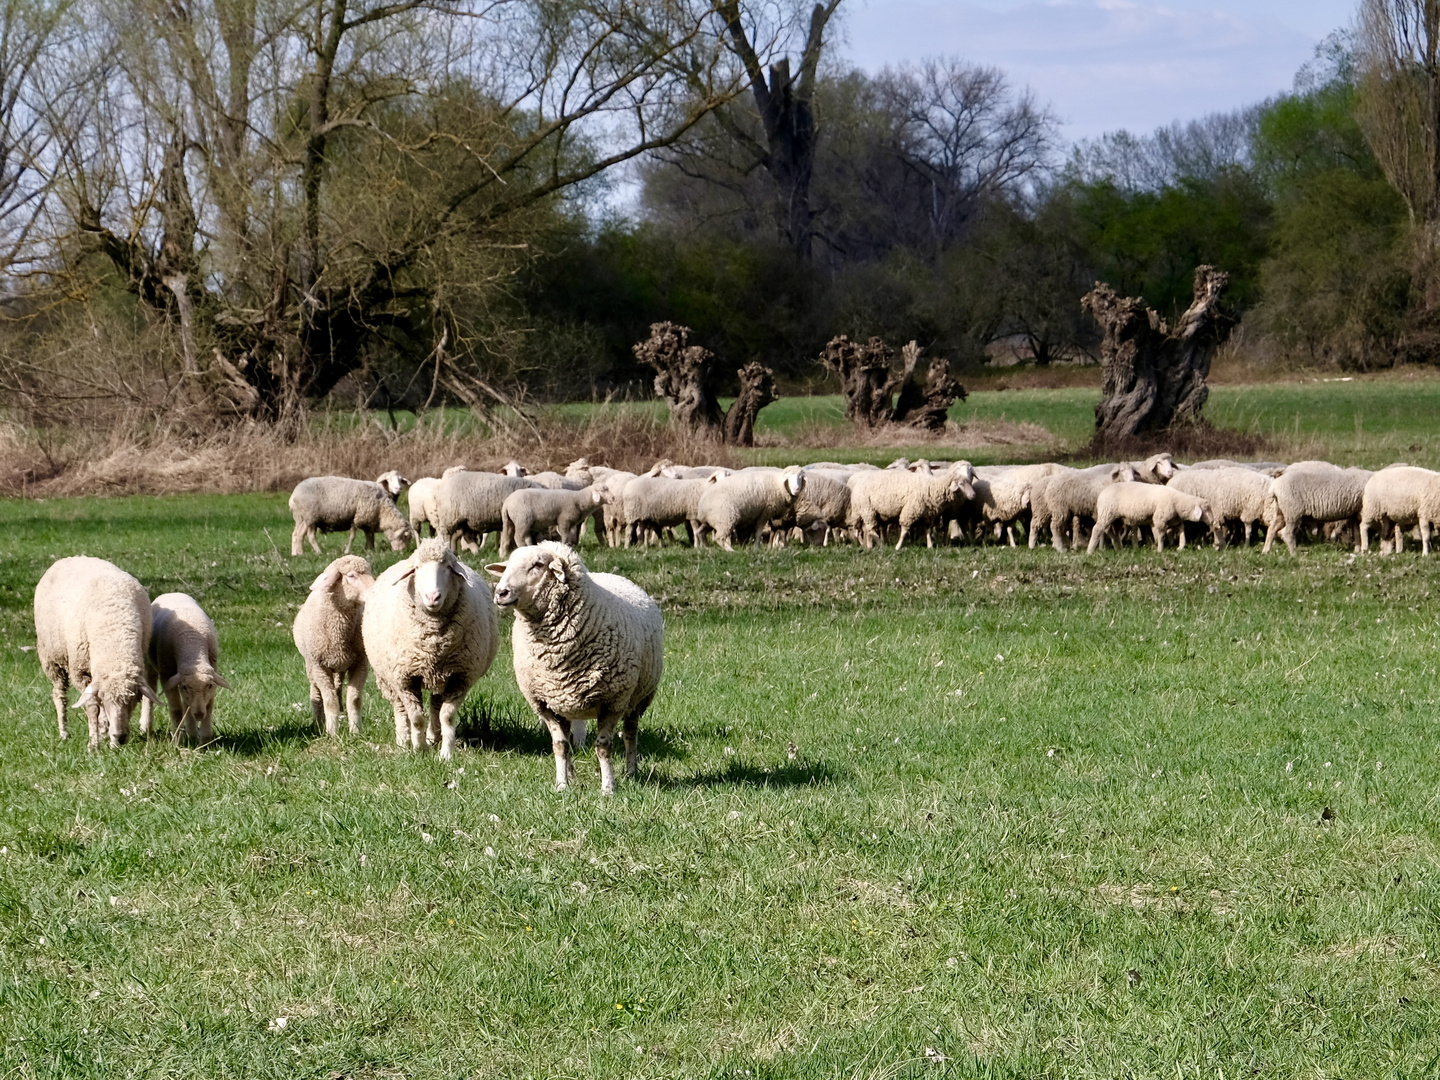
(1399, 111)
(684, 380)
(28, 28)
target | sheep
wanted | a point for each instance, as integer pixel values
(736, 506)
(1233, 494)
(183, 657)
(392, 482)
(1400, 496)
(823, 507)
(92, 628)
(653, 503)
(336, 503)
(429, 625)
(1002, 492)
(532, 512)
(470, 503)
(611, 488)
(1071, 495)
(1317, 491)
(1137, 503)
(421, 492)
(555, 482)
(906, 497)
(327, 633)
(586, 646)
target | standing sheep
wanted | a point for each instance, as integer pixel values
(1145, 504)
(655, 503)
(327, 633)
(183, 658)
(529, 514)
(429, 625)
(736, 506)
(1400, 497)
(1232, 493)
(92, 628)
(421, 493)
(908, 498)
(1314, 491)
(587, 647)
(1071, 495)
(338, 503)
(470, 503)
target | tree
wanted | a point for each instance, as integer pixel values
(870, 387)
(27, 35)
(684, 380)
(1154, 377)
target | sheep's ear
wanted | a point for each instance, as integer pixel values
(218, 680)
(86, 698)
(326, 580)
(146, 693)
(174, 681)
(557, 567)
(496, 568)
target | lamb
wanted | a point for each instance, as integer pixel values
(1400, 496)
(327, 633)
(1137, 503)
(421, 492)
(653, 503)
(336, 503)
(908, 498)
(92, 628)
(736, 506)
(1317, 491)
(429, 625)
(470, 503)
(1233, 494)
(586, 646)
(527, 515)
(183, 658)
(1071, 495)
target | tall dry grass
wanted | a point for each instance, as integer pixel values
(125, 461)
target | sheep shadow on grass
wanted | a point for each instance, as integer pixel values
(736, 773)
(254, 741)
(486, 725)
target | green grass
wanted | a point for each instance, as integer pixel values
(965, 853)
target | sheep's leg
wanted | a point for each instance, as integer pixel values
(1288, 535)
(313, 535)
(631, 731)
(407, 699)
(1399, 539)
(177, 713)
(578, 733)
(904, 532)
(59, 683)
(297, 539)
(402, 724)
(1364, 536)
(354, 694)
(1158, 528)
(1424, 526)
(443, 715)
(1097, 536)
(604, 739)
(324, 702)
(369, 539)
(1249, 525)
(1010, 533)
(147, 707)
(560, 743)
(92, 718)
(349, 541)
(1075, 531)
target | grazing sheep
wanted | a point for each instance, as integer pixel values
(392, 482)
(822, 509)
(1232, 493)
(1002, 492)
(736, 506)
(527, 515)
(1400, 497)
(1313, 491)
(92, 628)
(587, 647)
(1137, 503)
(470, 503)
(654, 503)
(421, 492)
(327, 633)
(429, 625)
(1071, 496)
(907, 498)
(338, 503)
(183, 658)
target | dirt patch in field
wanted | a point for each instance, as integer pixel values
(1192, 442)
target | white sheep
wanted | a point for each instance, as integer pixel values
(392, 482)
(338, 503)
(429, 625)
(586, 646)
(909, 498)
(1400, 497)
(1071, 496)
(529, 514)
(1136, 503)
(737, 506)
(822, 509)
(1002, 493)
(469, 504)
(92, 628)
(327, 633)
(421, 492)
(652, 504)
(1314, 491)
(1233, 493)
(556, 482)
(611, 487)
(183, 658)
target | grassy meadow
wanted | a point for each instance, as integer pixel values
(970, 812)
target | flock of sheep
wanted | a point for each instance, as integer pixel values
(825, 502)
(586, 647)
(589, 646)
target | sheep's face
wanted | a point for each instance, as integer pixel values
(1201, 512)
(437, 583)
(347, 579)
(514, 468)
(795, 483)
(392, 482)
(399, 536)
(197, 694)
(529, 579)
(1161, 466)
(959, 485)
(115, 703)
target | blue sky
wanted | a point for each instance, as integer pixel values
(1107, 64)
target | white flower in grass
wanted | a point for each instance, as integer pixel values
(278, 1024)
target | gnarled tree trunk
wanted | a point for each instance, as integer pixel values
(924, 402)
(683, 380)
(866, 380)
(757, 389)
(1154, 377)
